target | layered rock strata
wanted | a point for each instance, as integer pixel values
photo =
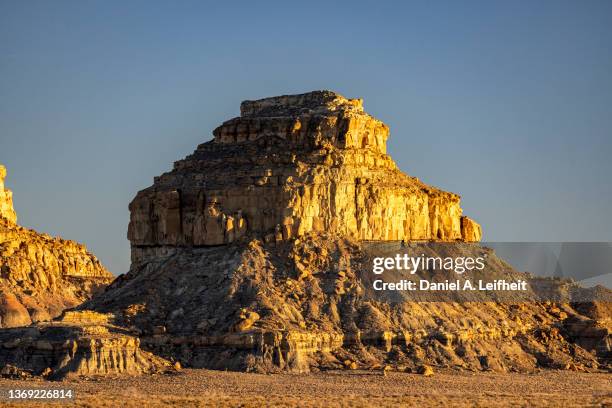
(78, 344)
(40, 276)
(287, 166)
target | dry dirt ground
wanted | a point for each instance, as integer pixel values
(194, 388)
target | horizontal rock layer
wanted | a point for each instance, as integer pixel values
(288, 166)
(82, 345)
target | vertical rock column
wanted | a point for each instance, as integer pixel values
(6, 199)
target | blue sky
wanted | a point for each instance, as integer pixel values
(507, 103)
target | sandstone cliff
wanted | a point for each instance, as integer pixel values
(287, 166)
(40, 276)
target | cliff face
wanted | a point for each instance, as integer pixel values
(287, 166)
(40, 275)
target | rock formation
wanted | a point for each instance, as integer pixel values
(252, 254)
(287, 166)
(6, 199)
(78, 343)
(40, 276)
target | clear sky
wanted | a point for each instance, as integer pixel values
(508, 103)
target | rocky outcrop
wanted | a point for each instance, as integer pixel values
(81, 343)
(40, 276)
(470, 230)
(6, 199)
(288, 166)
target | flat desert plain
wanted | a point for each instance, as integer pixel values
(197, 388)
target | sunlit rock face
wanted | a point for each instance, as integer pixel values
(6, 199)
(40, 275)
(289, 165)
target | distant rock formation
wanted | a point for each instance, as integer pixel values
(40, 276)
(6, 199)
(290, 165)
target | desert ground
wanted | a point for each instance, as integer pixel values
(195, 388)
